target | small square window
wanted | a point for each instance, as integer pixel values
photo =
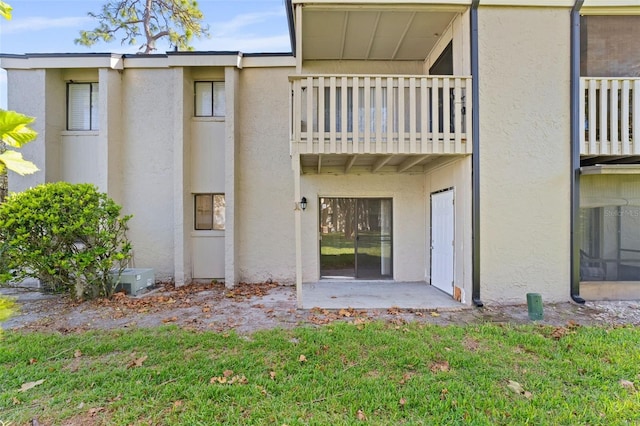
(82, 106)
(209, 212)
(209, 99)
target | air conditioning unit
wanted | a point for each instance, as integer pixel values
(134, 280)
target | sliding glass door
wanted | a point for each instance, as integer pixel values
(355, 238)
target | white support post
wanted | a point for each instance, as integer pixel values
(298, 226)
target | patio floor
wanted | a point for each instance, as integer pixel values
(361, 294)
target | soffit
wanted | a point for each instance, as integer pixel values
(402, 34)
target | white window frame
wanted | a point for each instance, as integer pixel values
(215, 224)
(90, 110)
(216, 108)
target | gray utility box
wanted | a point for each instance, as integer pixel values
(134, 280)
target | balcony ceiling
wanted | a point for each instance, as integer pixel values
(339, 164)
(369, 34)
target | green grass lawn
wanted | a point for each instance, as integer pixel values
(375, 373)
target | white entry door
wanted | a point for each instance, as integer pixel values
(442, 238)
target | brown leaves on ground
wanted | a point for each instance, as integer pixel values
(361, 416)
(30, 385)
(228, 378)
(517, 388)
(439, 366)
(137, 362)
(627, 384)
(246, 291)
(319, 316)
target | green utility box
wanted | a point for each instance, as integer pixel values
(135, 280)
(534, 304)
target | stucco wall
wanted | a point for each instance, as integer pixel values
(524, 153)
(24, 94)
(264, 191)
(147, 166)
(456, 175)
(408, 194)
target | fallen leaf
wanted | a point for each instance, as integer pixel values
(627, 384)
(77, 353)
(272, 375)
(227, 373)
(302, 358)
(30, 385)
(96, 410)
(32, 361)
(137, 362)
(16, 401)
(434, 314)
(81, 406)
(402, 402)
(177, 403)
(517, 388)
(206, 309)
(172, 319)
(361, 415)
(439, 366)
(443, 394)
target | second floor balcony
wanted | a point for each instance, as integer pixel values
(380, 114)
(610, 111)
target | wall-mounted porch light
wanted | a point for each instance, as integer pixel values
(303, 203)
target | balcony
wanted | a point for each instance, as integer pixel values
(380, 114)
(610, 112)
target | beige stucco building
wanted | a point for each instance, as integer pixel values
(485, 148)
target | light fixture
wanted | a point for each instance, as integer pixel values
(303, 203)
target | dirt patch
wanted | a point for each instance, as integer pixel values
(251, 307)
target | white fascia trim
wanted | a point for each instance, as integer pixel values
(383, 2)
(27, 62)
(205, 60)
(529, 3)
(268, 61)
(146, 62)
(611, 169)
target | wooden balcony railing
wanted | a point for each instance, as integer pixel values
(610, 111)
(380, 114)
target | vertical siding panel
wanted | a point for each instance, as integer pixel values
(446, 114)
(468, 95)
(424, 116)
(390, 112)
(378, 113)
(355, 120)
(310, 117)
(636, 117)
(592, 117)
(412, 115)
(615, 141)
(604, 116)
(457, 115)
(624, 117)
(582, 117)
(367, 115)
(321, 107)
(344, 110)
(332, 115)
(401, 121)
(435, 119)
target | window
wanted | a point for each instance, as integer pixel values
(82, 106)
(209, 99)
(209, 212)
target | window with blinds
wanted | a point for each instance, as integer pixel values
(82, 106)
(209, 99)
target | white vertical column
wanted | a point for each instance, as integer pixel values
(295, 159)
(231, 78)
(181, 185)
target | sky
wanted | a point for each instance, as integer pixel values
(49, 26)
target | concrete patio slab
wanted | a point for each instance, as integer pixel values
(364, 294)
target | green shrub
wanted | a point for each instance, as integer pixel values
(69, 236)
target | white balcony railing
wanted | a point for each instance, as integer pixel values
(610, 111)
(351, 114)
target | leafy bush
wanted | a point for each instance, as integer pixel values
(69, 236)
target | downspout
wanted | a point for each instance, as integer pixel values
(576, 127)
(292, 26)
(475, 156)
